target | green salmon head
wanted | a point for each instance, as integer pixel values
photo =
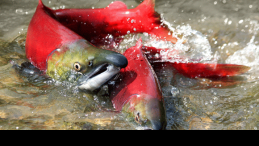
(84, 64)
(145, 112)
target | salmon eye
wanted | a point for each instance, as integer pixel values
(77, 66)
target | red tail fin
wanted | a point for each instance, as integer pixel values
(205, 70)
(200, 70)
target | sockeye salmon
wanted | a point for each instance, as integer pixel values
(65, 55)
(57, 43)
(116, 19)
(137, 93)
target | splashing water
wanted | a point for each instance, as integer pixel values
(192, 46)
(222, 31)
(249, 54)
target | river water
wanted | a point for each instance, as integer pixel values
(227, 31)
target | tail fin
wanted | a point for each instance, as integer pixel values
(205, 70)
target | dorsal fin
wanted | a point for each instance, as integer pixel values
(150, 4)
(117, 5)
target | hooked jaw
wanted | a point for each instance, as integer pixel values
(85, 64)
(98, 77)
(145, 112)
(117, 59)
(108, 65)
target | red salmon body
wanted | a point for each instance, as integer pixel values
(137, 78)
(65, 55)
(50, 29)
(138, 92)
(115, 19)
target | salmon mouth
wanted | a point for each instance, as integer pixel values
(98, 77)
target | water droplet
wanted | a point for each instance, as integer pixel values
(62, 7)
(157, 55)
(19, 11)
(175, 91)
(226, 20)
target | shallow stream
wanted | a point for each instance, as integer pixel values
(225, 31)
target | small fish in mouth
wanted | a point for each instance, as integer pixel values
(98, 77)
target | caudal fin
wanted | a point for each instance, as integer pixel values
(205, 70)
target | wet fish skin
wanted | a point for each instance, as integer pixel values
(54, 49)
(138, 93)
(115, 19)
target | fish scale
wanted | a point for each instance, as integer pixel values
(57, 34)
